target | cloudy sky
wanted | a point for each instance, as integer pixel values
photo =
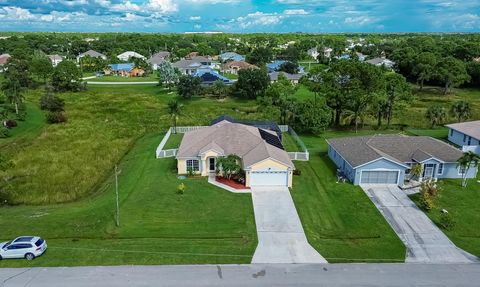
(241, 15)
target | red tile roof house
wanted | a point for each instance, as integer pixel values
(263, 158)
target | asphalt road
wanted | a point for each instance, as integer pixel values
(248, 275)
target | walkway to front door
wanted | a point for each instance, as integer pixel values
(281, 238)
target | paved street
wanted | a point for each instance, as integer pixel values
(281, 238)
(247, 275)
(425, 242)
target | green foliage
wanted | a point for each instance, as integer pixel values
(51, 103)
(289, 67)
(4, 132)
(251, 83)
(436, 114)
(416, 170)
(260, 56)
(41, 66)
(174, 109)
(429, 191)
(56, 117)
(465, 163)
(167, 75)
(426, 201)
(461, 110)
(5, 163)
(228, 166)
(90, 64)
(189, 86)
(447, 221)
(312, 117)
(181, 188)
(66, 77)
(451, 72)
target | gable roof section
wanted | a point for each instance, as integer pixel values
(232, 138)
(471, 129)
(93, 54)
(400, 149)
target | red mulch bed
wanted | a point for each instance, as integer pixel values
(231, 183)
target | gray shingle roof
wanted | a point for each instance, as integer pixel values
(398, 148)
(469, 128)
(292, 77)
(232, 138)
(159, 57)
(93, 54)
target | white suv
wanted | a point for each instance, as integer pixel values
(27, 247)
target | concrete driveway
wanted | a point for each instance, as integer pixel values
(425, 242)
(281, 238)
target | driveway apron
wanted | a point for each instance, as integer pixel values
(281, 238)
(425, 242)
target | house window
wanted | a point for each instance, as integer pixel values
(440, 168)
(451, 132)
(193, 164)
(464, 138)
(469, 141)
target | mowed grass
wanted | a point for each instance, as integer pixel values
(110, 78)
(157, 225)
(464, 206)
(340, 221)
(289, 143)
(64, 162)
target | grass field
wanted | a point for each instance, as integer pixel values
(340, 221)
(157, 225)
(464, 206)
(111, 78)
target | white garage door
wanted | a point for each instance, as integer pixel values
(258, 178)
(379, 177)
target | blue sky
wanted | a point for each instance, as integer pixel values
(241, 15)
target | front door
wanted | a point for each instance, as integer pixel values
(429, 169)
(211, 163)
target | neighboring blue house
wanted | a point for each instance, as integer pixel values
(128, 67)
(231, 56)
(210, 76)
(275, 66)
(387, 159)
(466, 135)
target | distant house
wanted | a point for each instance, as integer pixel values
(313, 52)
(361, 57)
(124, 70)
(191, 66)
(275, 66)
(233, 67)
(231, 56)
(388, 159)
(293, 78)
(130, 54)
(209, 77)
(3, 61)
(157, 58)
(381, 62)
(466, 135)
(91, 53)
(55, 59)
(327, 52)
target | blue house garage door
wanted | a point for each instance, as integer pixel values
(264, 178)
(379, 177)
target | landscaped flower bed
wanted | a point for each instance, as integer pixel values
(230, 182)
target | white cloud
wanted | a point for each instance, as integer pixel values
(259, 19)
(15, 13)
(295, 12)
(195, 18)
(360, 20)
(162, 6)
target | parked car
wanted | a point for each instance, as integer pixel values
(27, 247)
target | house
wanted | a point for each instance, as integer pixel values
(387, 159)
(466, 135)
(209, 77)
(230, 56)
(124, 70)
(91, 53)
(191, 66)
(293, 78)
(233, 67)
(361, 57)
(275, 66)
(130, 54)
(313, 52)
(261, 153)
(266, 125)
(381, 61)
(327, 52)
(3, 61)
(157, 58)
(55, 59)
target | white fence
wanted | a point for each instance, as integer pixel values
(161, 153)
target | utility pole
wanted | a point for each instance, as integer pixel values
(117, 172)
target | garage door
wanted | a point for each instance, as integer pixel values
(379, 177)
(259, 178)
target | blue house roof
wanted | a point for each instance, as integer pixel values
(128, 67)
(275, 66)
(210, 76)
(231, 56)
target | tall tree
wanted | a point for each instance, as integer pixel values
(465, 163)
(41, 66)
(424, 67)
(167, 74)
(66, 77)
(260, 56)
(312, 117)
(174, 109)
(452, 73)
(189, 86)
(251, 83)
(397, 89)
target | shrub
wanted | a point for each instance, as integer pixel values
(426, 201)
(181, 188)
(52, 103)
(10, 124)
(430, 187)
(446, 221)
(190, 171)
(4, 132)
(297, 172)
(56, 117)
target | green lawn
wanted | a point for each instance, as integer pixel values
(339, 219)
(173, 141)
(289, 143)
(157, 225)
(110, 78)
(464, 205)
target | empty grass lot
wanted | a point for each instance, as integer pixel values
(158, 225)
(340, 221)
(110, 78)
(464, 206)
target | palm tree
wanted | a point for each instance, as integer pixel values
(436, 115)
(467, 161)
(461, 110)
(174, 110)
